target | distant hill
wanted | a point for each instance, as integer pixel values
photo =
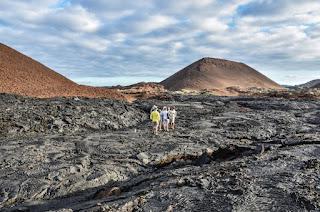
(210, 73)
(20, 74)
(312, 84)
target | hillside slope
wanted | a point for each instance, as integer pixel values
(209, 73)
(20, 74)
(311, 84)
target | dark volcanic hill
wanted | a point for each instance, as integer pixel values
(312, 84)
(209, 73)
(316, 85)
(20, 74)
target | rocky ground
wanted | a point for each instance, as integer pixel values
(227, 154)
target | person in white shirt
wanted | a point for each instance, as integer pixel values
(172, 117)
(164, 116)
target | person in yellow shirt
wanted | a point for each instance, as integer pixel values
(155, 118)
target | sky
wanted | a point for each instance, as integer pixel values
(112, 42)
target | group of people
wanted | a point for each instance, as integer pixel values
(164, 119)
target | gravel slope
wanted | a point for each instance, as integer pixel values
(20, 74)
(218, 74)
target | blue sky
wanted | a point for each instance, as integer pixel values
(110, 42)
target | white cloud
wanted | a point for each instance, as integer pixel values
(99, 45)
(186, 4)
(119, 37)
(124, 37)
(154, 22)
(112, 16)
(75, 18)
(212, 25)
(91, 42)
(23, 12)
(175, 47)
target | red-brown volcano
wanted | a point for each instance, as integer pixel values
(19, 74)
(218, 74)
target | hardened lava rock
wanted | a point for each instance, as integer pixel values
(226, 154)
